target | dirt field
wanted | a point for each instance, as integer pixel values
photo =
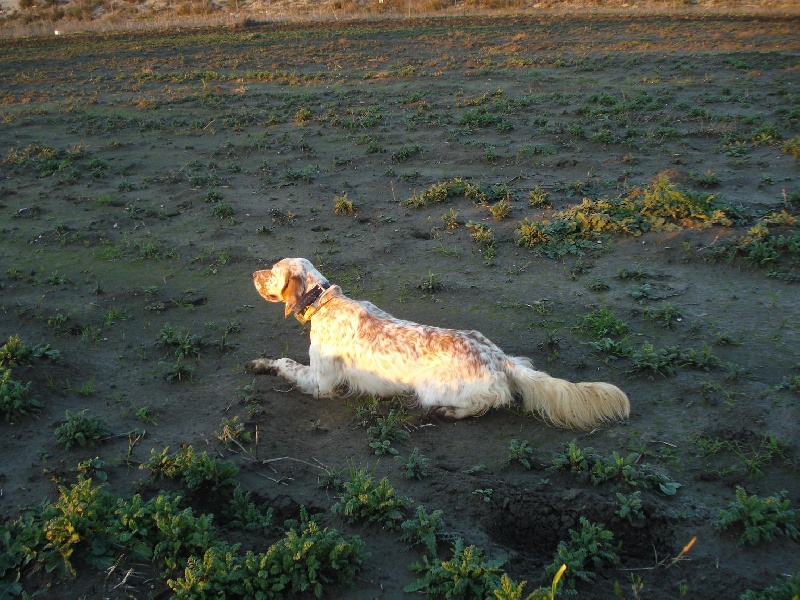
(146, 176)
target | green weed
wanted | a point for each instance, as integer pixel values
(659, 207)
(14, 352)
(413, 467)
(195, 471)
(363, 499)
(343, 206)
(601, 323)
(788, 589)
(16, 399)
(81, 430)
(630, 507)
(518, 452)
(467, 574)
(627, 470)
(232, 433)
(539, 198)
(424, 529)
(759, 518)
(586, 550)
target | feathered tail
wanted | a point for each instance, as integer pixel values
(565, 404)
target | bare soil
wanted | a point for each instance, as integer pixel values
(185, 160)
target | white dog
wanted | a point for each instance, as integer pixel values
(359, 348)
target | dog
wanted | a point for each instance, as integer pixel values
(358, 348)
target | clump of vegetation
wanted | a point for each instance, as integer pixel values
(751, 455)
(424, 529)
(615, 468)
(773, 243)
(343, 206)
(443, 191)
(630, 507)
(88, 525)
(364, 499)
(195, 471)
(15, 398)
(788, 589)
(519, 452)
(586, 550)
(792, 147)
(307, 559)
(467, 574)
(760, 518)
(483, 236)
(82, 430)
(601, 323)
(431, 284)
(185, 345)
(386, 430)
(232, 432)
(660, 207)
(539, 198)
(413, 467)
(14, 352)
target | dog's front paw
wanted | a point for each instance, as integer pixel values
(262, 366)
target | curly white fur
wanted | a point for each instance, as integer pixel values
(357, 346)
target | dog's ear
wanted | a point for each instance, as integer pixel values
(260, 279)
(293, 292)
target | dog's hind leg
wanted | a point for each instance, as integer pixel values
(302, 376)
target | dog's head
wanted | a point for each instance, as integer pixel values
(287, 281)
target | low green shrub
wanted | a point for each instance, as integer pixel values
(16, 399)
(195, 471)
(760, 518)
(586, 550)
(615, 468)
(467, 574)
(81, 430)
(362, 499)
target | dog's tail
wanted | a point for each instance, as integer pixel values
(565, 404)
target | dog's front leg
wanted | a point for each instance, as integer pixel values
(303, 377)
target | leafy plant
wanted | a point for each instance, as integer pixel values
(81, 430)
(246, 515)
(177, 371)
(443, 191)
(789, 589)
(343, 206)
(430, 284)
(630, 507)
(600, 469)
(195, 471)
(467, 574)
(307, 559)
(415, 466)
(586, 550)
(519, 451)
(232, 432)
(501, 209)
(760, 518)
(539, 198)
(602, 323)
(388, 429)
(15, 398)
(656, 361)
(14, 352)
(424, 529)
(364, 499)
(659, 207)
